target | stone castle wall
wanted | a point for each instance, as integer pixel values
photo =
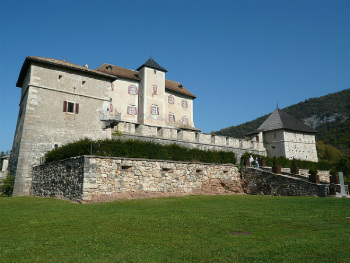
(266, 183)
(85, 178)
(189, 139)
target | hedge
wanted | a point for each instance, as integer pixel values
(137, 149)
(284, 162)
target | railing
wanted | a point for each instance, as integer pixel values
(110, 116)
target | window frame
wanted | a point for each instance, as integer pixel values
(66, 107)
(184, 120)
(171, 99)
(132, 110)
(154, 109)
(171, 117)
(184, 103)
(133, 90)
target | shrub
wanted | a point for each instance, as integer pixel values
(333, 172)
(294, 163)
(284, 162)
(6, 185)
(313, 171)
(138, 149)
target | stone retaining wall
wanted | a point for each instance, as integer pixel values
(85, 178)
(267, 183)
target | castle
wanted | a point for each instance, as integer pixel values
(62, 102)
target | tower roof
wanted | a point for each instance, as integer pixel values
(282, 120)
(150, 63)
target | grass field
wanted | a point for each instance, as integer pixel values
(182, 229)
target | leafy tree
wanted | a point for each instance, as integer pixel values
(6, 185)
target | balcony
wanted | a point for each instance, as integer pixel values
(110, 116)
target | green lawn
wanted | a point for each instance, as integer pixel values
(182, 229)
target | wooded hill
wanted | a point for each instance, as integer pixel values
(329, 115)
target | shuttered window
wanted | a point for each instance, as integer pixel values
(171, 117)
(184, 104)
(155, 90)
(132, 90)
(70, 107)
(154, 110)
(171, 99)
(132, 110)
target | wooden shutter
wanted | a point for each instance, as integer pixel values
(151, 109)
(157, 110)
(112, 86)
(135, 110)
(111, 107)
(128, 110)
(136, 90)
(76, 108)
(174, 117)
(65, 104)
(129, 89)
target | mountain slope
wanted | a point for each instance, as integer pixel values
(329, 115)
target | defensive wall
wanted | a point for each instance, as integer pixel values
(88, 178)
(264, 182)
(188, 138)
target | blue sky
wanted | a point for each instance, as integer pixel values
(238, 57)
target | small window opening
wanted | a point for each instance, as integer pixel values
(70, 107)
(56, 146)
(166, 169)
(155, 71)
(83, 82)
(60, 76)
(126, 167)
(198, 171)
(109, 67)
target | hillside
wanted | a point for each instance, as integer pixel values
(329, 115)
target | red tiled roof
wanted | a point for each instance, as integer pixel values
(132, 74)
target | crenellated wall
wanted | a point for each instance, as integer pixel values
(189, 139)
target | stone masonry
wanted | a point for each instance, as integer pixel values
(101, 176)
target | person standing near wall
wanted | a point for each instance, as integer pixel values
(251, 160)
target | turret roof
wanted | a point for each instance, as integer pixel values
(282, 120)
(150, 63)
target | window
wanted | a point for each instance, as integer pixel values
(70, 107)
(132, 110)
(171, 117)
(155, 90)
(184, 104)
(171, 99)
(155, 71)
(109, 67)
(154, 110)
(132, 90)
(184, 120)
